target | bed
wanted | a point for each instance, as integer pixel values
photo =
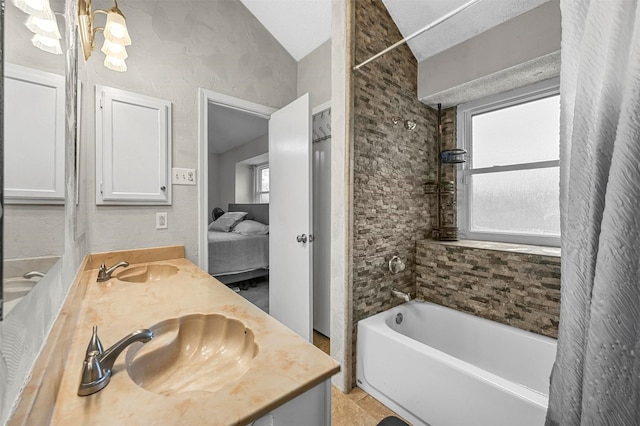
(236, 257)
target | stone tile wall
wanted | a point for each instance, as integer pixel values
(517, 289)
(391, 164)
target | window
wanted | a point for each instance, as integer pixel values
(509, 186)
(261, 176)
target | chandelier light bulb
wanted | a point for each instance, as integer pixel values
(44, 27)
(115, 30)
(115, 64)
(47, 44)
(114, 50)
(33, 7)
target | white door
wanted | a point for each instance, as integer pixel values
(290, 217)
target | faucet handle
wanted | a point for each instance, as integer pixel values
(94, 377)
(102, 273)
(95, 345)
(396, 265)
(91, 368)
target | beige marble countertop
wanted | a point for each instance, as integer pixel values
(285, 366)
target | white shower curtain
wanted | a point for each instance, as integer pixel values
(596, 377)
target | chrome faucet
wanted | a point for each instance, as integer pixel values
(97, 365)
(104, 273)
(400, 294)
(32, 274)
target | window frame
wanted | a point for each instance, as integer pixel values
(257, 182)
(465, 113)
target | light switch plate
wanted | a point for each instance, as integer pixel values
(183, 176)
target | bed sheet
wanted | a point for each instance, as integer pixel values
(232, 253)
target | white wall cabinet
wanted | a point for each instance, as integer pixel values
(34, 136)
(133, 148)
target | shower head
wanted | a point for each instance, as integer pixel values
(407, 124)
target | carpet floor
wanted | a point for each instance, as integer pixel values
(255, 291)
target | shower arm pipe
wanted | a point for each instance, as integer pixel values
(433, 24)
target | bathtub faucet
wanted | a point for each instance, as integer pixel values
(400, 294)
(33, 274)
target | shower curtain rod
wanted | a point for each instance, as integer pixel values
(433, 24)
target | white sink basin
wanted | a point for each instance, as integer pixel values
(146, 273)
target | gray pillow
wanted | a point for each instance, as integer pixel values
(227, 221)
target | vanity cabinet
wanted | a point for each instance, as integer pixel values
(312, 408)
(133, 148)
(282, 380)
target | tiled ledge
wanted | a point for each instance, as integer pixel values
(508, 247)
(514, 287)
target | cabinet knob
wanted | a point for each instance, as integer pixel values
(163, 188)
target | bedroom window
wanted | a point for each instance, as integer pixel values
(261, 178)
(509, 186)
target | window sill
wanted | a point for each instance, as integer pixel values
(506, 247)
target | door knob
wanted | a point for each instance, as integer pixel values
(301, 238)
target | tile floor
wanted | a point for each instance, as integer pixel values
(357, 408)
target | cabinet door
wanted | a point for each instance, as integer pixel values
(133, 148)
(34, 136)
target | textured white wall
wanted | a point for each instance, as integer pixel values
(30, 230)
(314, 74)
(177, 48)
(244, 183)
(228, 162)
(513, 54)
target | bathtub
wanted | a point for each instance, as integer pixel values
(439, 367)
(15, 289)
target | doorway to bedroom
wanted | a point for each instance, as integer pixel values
(237, 179)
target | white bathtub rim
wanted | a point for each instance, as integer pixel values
(511, 329)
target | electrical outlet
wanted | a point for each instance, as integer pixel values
(161, 221)
(183, 176)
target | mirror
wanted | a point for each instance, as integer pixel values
(33, 228)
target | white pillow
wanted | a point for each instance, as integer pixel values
(251, 227)
(227, 221)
